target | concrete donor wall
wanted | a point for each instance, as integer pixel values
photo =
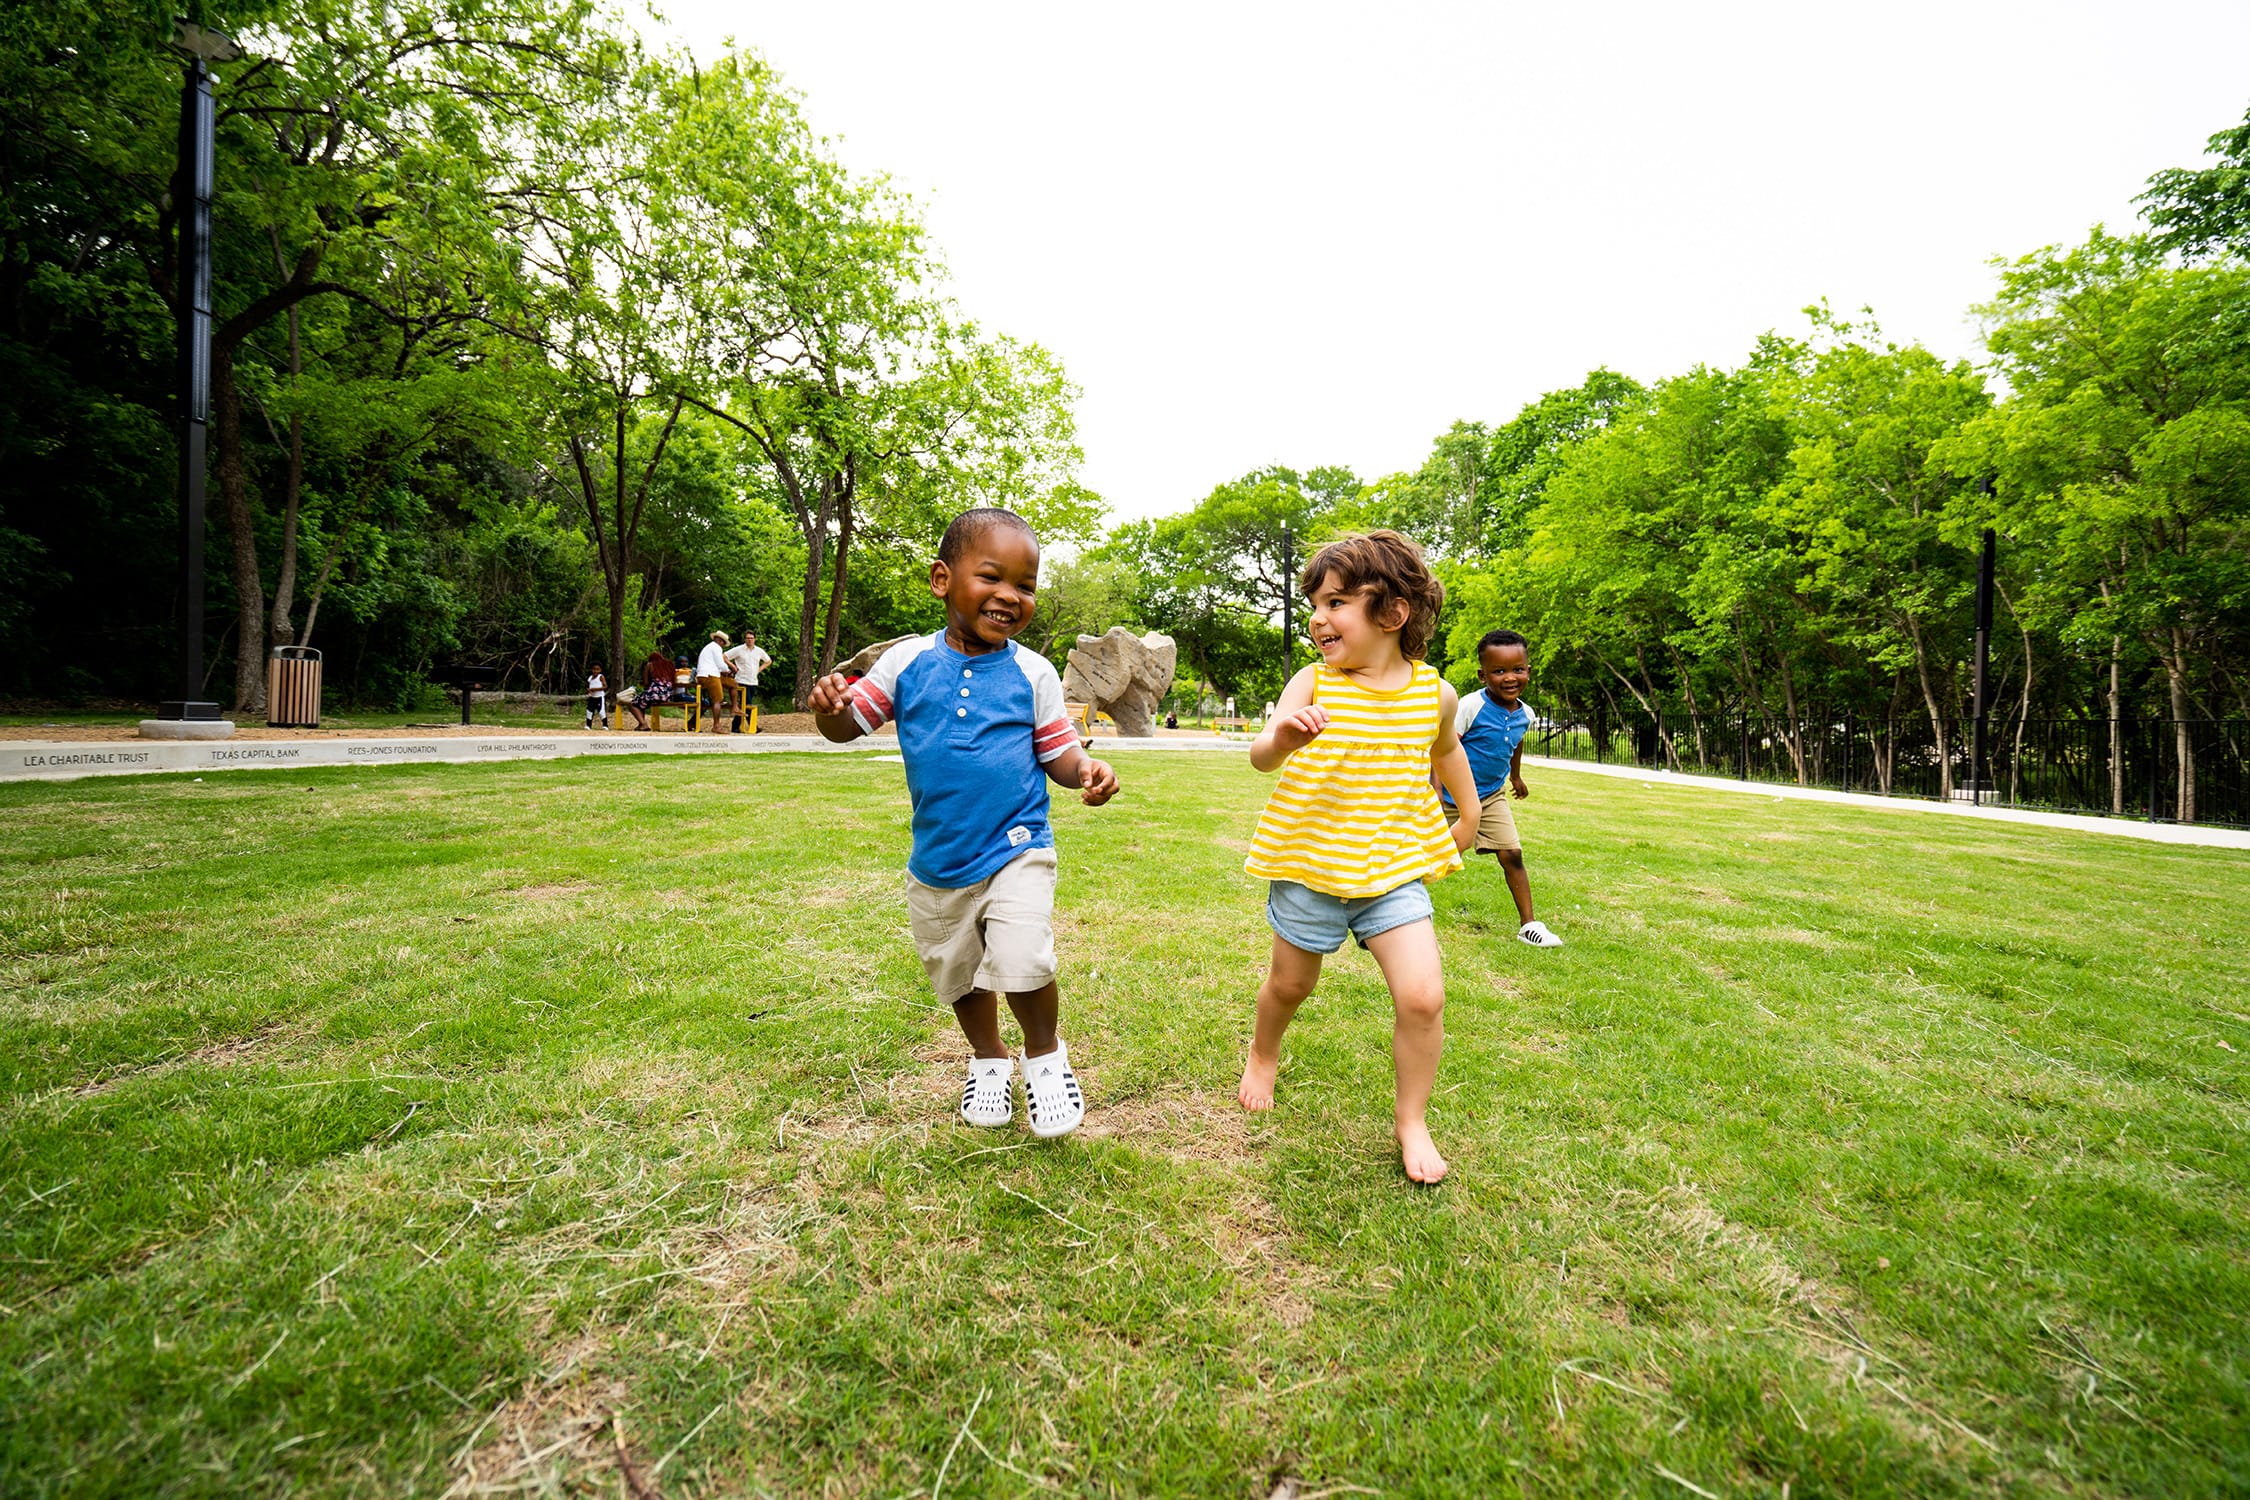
(42, 760)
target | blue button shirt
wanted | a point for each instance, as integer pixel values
(1490, 734)
(975, 731)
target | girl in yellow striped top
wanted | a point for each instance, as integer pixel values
(1353, 829)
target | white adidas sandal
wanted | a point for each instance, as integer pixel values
(1536, 934)
(1050, 1094)
(989, 1096)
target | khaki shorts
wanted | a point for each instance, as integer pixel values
(998, 934)
(1496, 824)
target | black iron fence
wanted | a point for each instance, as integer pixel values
(2162, 770)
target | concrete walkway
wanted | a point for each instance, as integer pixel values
(2157, 833)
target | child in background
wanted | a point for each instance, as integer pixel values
(1352, 829)
(982, 726)
(597, 697)
(1492, 724)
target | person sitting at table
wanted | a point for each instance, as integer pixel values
(656, 689)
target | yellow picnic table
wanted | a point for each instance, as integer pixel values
(691, 707)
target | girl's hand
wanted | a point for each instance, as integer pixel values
(1462, 838)
(831, 695)
(1097, 783)
(1295, 731)
(1517, 789)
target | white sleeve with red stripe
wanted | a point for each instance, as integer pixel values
(873, 697)
(1055, 734)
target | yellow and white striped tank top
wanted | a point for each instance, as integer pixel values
(1353, 814)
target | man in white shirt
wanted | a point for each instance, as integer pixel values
(748, 660)
(711, 677)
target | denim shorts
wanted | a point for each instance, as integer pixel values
(1305, 918)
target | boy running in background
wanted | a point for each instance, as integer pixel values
(1492, 724)
(1352, 829)
(982, 727)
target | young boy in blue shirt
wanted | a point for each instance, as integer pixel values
(1491, 725)
(983, 729)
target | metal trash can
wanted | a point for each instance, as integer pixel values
(293, 688)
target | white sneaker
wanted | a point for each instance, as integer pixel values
(1536, 934)
(1050, 1094)
(989, 1097)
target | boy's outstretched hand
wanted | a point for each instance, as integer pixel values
(830, 695)
(1097, 783)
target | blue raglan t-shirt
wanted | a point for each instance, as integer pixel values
(975, 731)
(1490, 734)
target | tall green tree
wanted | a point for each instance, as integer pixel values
(1865, 506)
(2205, 210)
(2125, 453)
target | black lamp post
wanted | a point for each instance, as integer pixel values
(201, 47)
(1985, 564)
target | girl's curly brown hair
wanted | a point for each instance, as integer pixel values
(1389, 569)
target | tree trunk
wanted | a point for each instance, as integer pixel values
(1936, 712)
(836, 588)
(1664, 737)
(234, 492)
(285, 582)
(2023, 710)
(2183, 742)
(1886, 748)
(808, 610)
(1648, 706)
(2116, 727)
(320, 587)
(1694, 710)
(1792, 731)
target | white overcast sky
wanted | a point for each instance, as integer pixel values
(1313, 234)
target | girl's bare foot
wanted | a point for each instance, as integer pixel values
(1256, 1092)
(1417, 1152)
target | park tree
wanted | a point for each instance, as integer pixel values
(1082, 595)
(1866, 507)
(1219, 577)
(1442, 503)
(2205, 211)
(357, 136)
(1647, 557)
(2125, 452)
(875, 405)
(644, 258)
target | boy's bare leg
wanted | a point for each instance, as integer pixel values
(979, 1014)
(1036, 1012)
(1519, 880)
(1290, 976)
(1408, 957)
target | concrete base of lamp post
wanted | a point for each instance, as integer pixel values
(187, 729)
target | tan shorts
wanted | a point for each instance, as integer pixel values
(1496, 824)
(998, 934)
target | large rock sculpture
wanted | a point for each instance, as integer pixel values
(1124, 675)
(864, 662)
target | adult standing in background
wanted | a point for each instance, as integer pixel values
(711, 677)
(747, 659)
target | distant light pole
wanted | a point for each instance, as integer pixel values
(1983, 664)
(201, 47)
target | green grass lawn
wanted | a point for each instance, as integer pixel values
(482, 1127)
